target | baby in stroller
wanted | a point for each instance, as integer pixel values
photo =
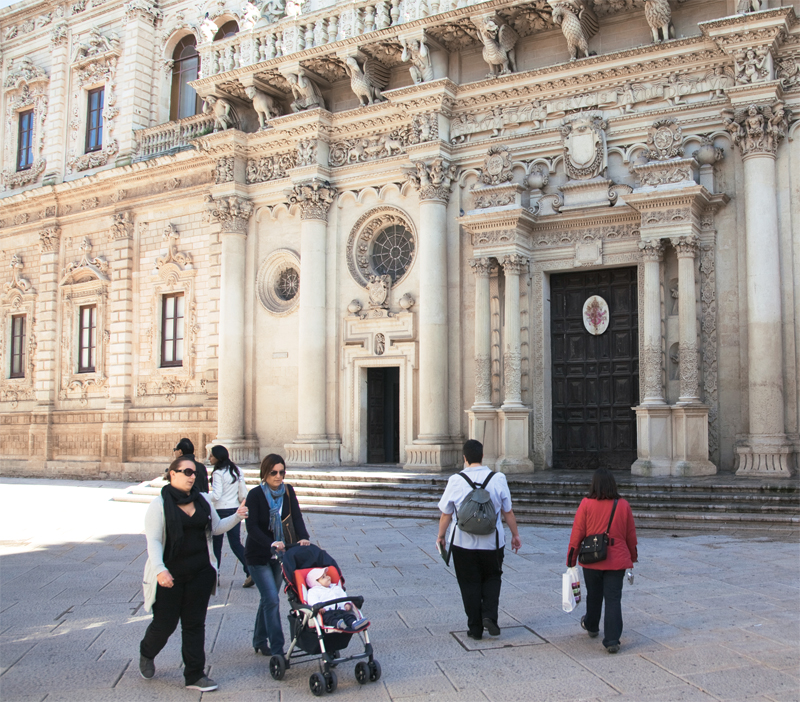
(320, 630)
(321, 590)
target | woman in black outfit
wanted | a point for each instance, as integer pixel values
(273, 514)
(181, 572)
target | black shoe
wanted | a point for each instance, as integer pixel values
(613, 648)
(477, 637)
(204, 684)
(491, 627)
(263, 651)
(592, 634)
(147, 667)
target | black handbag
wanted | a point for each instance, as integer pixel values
(289, 535)
(594, 548)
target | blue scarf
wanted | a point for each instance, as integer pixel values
(275, 501)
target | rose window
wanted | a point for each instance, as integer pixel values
(392, 251)
(288, 284)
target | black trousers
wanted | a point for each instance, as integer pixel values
(331, 617)
(604, 586)
(479, 574)
(186, 601)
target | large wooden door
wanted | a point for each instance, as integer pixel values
(595, 378)
(383, 415)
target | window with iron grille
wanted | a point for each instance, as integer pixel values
(25, 141)
(87, 338)
(94, 120)
(17, 346)
(172, 330)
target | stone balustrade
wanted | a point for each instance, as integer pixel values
(171, 137)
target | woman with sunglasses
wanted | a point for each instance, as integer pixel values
(274, 521)
(181, 570)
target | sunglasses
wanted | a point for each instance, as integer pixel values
(277, 472)
(188, 472)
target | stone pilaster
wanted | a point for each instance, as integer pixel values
(56, 137)
(433, 448)
(232, 213)
(513, 266)
(652, 252)
(758, 129)
(687, 248)
(481, 267)
(312, 445)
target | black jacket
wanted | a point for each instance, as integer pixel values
(201, 481)
(258, 547)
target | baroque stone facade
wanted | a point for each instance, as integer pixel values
(341, 231)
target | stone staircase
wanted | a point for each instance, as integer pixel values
(721, 503)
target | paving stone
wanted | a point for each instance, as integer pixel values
(753, 680)
(698, 659)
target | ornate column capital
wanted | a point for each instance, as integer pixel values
(49, 238)
(314, 198)
(652, 250)
(686, 246)
(231, 212)
(434, 180)
(481, 267)
(514, 264)
(757, 129)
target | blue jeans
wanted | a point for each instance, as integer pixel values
(268, 618)
(234, 540)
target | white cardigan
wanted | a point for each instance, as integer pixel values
(155, 530)
(226, 493)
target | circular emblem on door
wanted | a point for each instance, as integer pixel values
(595, 315)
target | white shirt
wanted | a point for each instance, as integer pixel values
(225, 492)
(318, 594)
(455, 492)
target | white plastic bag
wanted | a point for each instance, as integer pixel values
(570, 589)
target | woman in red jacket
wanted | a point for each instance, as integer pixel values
(604, 578)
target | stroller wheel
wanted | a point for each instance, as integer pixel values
(317, 684)
(362, 673)
(331, 681)
(374, 671)
(277, 667)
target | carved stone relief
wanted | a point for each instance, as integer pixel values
(274, 167)
(314, 198)
(434, 180)
(758, 128)
(584, 139)
(359, 248)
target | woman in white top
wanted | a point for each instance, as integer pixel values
(228, 489)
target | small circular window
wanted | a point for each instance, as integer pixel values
(278, 282)
(392, 250)
(382, 242)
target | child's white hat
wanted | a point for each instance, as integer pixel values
(315, 574)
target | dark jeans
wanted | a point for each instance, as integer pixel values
(186, 601)
(479, 575)
(604, 586)
(268, 617)
(331, 617)
(234, 540)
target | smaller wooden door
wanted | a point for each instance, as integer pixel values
(383, 415)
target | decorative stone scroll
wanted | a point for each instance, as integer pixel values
(433, 181)
(757, 129)
(314, 198)
(171, 254)
(94, 265)
(232, 213)
(17, 282)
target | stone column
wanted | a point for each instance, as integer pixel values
(513, 266)
(687, 248)
(233, 214)
(312, 446)
(758, 131)
(483, 334)
(433, 450)
(652, 251)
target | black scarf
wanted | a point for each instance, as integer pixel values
(173, 497)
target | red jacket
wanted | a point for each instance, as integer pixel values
(592, 518)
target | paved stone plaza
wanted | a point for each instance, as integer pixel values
(708, 618)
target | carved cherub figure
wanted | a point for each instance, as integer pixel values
(578, 24)
(306, 94)
(498, 46)
(750, 66)
(417, 53)
(265, 105)
(221, 110)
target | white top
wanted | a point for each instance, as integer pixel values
(319, 594)
(226, 493)
(455, 492)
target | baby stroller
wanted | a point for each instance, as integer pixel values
(311, 639)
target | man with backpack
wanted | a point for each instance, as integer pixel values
(478, 497)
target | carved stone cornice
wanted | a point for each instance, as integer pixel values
(498, 230)
(481, 267)
(758, 129)
(314, 198)
(686, 246)
(514, 264)
(434, 180)
(765, 28)
(652, 250)
(232, 212)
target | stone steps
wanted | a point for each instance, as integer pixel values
(718, 503)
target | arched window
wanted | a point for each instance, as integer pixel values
(227, 30)
(185, 68)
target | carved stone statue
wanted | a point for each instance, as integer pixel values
(746, 6)
(417, 53)
(221, 110)
(659, 16)
(96, 45)
(208, 28)
(758, 128)
(265, 105)
(378, 289)
(250, 15)
(367, 82)
(751, 66)
(273, 10)
(578, 24)
(499, 41)
(306, 94)
(585, 154)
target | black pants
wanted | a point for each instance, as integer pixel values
(186, 601)
(331, 617)
(604, 586)
(479, 575)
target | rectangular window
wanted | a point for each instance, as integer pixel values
(172, 330)
(94, 120)
(18, 346)
(25, 141)
(87, 342)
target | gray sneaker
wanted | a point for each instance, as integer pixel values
(204, 684)
(147, 667)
